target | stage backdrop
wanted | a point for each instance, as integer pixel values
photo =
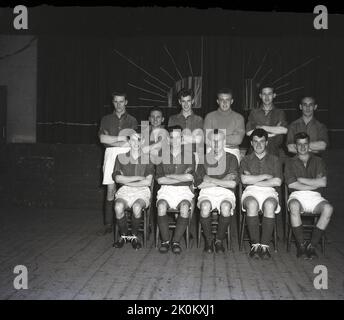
(77, 74)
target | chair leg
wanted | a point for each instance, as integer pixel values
(289, 237)
(199, 234)
(115, 230)
(187, 236)
(323, 243)
(145, 226)
(275, 236)
(157, 236)
(242, 229)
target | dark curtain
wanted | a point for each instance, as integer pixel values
(77, 74)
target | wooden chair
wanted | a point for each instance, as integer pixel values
(307, 226)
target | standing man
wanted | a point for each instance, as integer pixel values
(175, 176)
(305, 175)
(226, 119)
(217, 179)
(269, 118)
(316, 131)
(261, 173)
(135, 176)
(115, 142)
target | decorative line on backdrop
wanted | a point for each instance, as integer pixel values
(19, 50)
(67, 123)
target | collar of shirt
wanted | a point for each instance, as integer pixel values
(123, 116)
(310, 159)
(228, 112)
(262, 109)
(313, 120)
(182, 115)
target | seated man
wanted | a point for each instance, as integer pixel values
(305, 174)
(261, 172)
(135, 177)
(216, 178)
(175, 175)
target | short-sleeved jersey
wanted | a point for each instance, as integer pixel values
(218, 169)
(270, 164)
(316, 130)
(274, 117)
(314, 169)
(132, 167)
(113, 125)
(192, 122)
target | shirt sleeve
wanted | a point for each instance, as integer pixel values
(233, 166)
(321, 168)
(134, 124)
(101, 127)
(199, 175)
(171, 121)
(323, 134)
(289, 173)
(243, 166)
(117, 169)
(251, 122)
(291, 134)
(207, 122)
(278, 168)
(282, 119)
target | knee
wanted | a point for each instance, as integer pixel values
(119, 209)
(269, 207)
(184, 209)
(226, 209)
(205, 209)
(137, 210)
(294, 207)
(162, 208)
(251, 206)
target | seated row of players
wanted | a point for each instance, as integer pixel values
(260, 172)
(267, 117)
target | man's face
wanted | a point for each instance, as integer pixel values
(135, 141)
(156, 119)
(267, 95)
(302, 146)
(308, 106)
(119, 102)
(186, 103)
(217, 143)
(176, 139)
(259, 144)
(224, 100)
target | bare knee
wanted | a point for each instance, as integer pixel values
(251, 206)
(162, 208)
(205, 209)
(269, 208)
(184, 209)
(226, 208)
(137, 210)
(327, 211)
(119, 209)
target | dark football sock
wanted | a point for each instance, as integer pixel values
(268, 225)
(253, 228)
(206, 226)
(135, 225)
(316, 236)
(163, 228)
(122, 225)
(180, 228)
(298, 234)
(222, 227)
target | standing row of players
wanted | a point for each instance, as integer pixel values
(260, 170)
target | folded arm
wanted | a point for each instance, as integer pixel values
(145, 182)
(317, 183)
(113, 141)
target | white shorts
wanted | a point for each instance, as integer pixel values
(216, 195)
(174, 195)
(131, 194)
(109, 162)
(235, 152)
(308, 199)
(260, 194)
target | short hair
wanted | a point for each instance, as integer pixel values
(301, 136)
(259, 133)
(266, 86)
(156, 108)
(119, 94)
(184, 92)
(224, 91)
(308, 96)
(174, 128)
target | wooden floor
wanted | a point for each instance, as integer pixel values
(67, 260)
